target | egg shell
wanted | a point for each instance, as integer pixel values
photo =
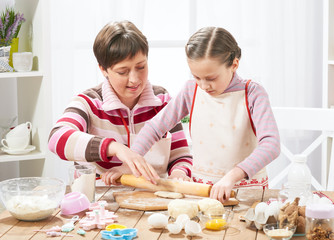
(174, 228)
(192, 228)
(260, 208)
(182, 219)
(272, 210)
(157, 220)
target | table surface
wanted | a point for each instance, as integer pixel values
(11, 228)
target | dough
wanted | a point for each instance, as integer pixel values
(178, 206)
(166, 194)
(211, 206)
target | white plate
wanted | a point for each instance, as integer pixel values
(20, 151)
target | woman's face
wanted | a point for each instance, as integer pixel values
(128, 78)
(212, 76)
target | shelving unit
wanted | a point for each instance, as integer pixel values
(328, 54)
(20, 74)
(328, 83)
(33, 89)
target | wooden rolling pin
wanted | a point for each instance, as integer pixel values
(190, 188)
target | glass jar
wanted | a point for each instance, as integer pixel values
(319, 221)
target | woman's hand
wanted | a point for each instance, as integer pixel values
(179, 174)
(112, 175)
(135, 162)
(222, 189)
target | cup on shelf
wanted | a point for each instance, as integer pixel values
(20, 130)
(82, 179)
(16, 142)
(18, 138)
(22, 61)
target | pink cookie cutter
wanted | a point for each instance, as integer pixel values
(97, 218)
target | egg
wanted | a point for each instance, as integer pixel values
(174, 228)
(192, 228)
(260, 208)
(215, 224)
(182, 219)
(272, 210)
(157, 220)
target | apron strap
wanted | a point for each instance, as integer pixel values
(248, 111)
(192, 108)
(125, 125)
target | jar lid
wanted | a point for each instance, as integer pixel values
(318, 210)
(300, 158)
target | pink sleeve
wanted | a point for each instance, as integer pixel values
(267, 133)
(165, 120)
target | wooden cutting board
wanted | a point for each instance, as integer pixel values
(147, 201)
(141, 200)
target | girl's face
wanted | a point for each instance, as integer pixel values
(128, 78)
(212, 76)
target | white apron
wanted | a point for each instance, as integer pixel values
(157, 156)
(222, 136)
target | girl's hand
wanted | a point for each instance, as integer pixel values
(112, 175)
(136, 163)
(222, 189)
(179, 174)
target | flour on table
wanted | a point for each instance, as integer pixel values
(166, 194)
(86, 185)
(31, 208)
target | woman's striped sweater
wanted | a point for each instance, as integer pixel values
(260, 110)
(92, 120)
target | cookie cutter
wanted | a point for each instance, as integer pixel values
(98, 218)
(115, 226)
(118, 234)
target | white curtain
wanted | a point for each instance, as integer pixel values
(281, 42)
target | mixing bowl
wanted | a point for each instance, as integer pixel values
(32, 198)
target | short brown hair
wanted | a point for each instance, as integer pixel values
(213, 42)
(117, 41)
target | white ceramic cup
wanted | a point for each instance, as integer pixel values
(20, 130)
(16, 143)
(22, 61)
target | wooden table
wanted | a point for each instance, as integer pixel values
(10, 228)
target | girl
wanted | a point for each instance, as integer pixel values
(100, 124)
(233, 130)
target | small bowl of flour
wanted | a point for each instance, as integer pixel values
(32, 198)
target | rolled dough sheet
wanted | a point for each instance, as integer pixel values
(166, 194)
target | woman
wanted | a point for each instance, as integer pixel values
(100, 124)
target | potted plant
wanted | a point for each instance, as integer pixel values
(10, 25)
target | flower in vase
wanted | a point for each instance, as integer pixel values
(10, 24)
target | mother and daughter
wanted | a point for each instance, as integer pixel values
(232, 127)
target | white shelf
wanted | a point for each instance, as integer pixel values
(21, 74)
(331, 62)
(14, 158)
